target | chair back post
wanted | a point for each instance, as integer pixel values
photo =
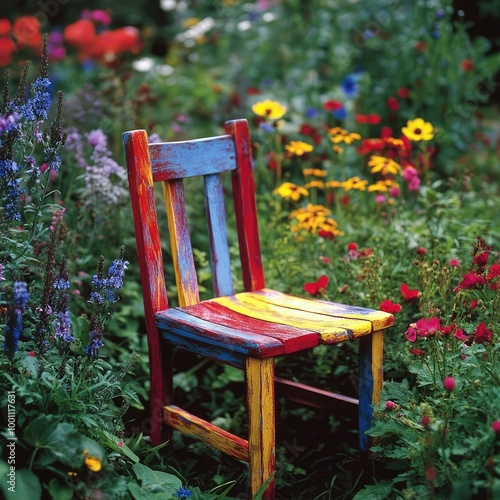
(245, 207)
(151, 268)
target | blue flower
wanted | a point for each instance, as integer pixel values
(266, 127)
(340, 114)
(182, 493)
(40, 103)
(63, 326)
(14, 325)
(349, 84)
(311, 112)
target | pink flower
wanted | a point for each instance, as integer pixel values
(449, 384)
(496, 426)
(32, 354)
(459, 334)
(454, 263)
(417, 352)
(411, 333)
(325, 260)
(428, 327)
(390, 405)
(380, 198)
(421, 251)
(120, 444)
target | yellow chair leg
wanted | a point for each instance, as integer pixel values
(261, 424)
(377, 364)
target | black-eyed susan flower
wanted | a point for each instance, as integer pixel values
(337, 149)
(338, 135)
(355, 183)
(314, 172)
(315, 184)
(273, 110)
(298, 148)
(382, 186)
(314, 218)
(290, 191)
(333, 184)
(418, 130)
(383, 165)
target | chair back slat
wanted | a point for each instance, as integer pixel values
(180, 243)
(245, 207)
(192, 158)
(145, 222)
(219, 248)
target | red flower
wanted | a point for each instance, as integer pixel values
(449, 384)
(421, 251)
(417, 352)
(26, 31)
(332, 105)
(481, 259)
(352, 246)
(425, 421)
(420, 46)
(4, 27)
(482, 335)
(469, 281)
(317, 287)
(372, 119)
(493, 272)
(496, 426)
(7, 48)
(81, 33)
(454, 263)
(467, 65)
(393, 104)
(389, 307)
(409, 295)
(253, 91)
(403, 92)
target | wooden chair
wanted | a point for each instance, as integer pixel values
(246, 330)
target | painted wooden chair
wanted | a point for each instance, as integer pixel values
(246, 330)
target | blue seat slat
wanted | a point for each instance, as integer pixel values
(219, 248)
(192, 158)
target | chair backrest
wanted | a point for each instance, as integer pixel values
(169, 163)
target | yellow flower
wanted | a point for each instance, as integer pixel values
(337, 149)
(354, 183)
(290, 191)
(298, 148)
(333, 184)
(93, 463)
(315, 184)
(269, 109)
(339, 135)
(314, 218)
(316, 172)
(418, 130)
(383, 186)
(386, 166)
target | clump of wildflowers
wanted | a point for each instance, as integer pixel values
(103, 295)
(14, 327)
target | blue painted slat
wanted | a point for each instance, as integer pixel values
(175, 160)
(219, 249)
(228, 339)
(365, 390)
(180, 243)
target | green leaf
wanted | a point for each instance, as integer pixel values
(60, 491)
(155, 481)
(375, 491)
(110, 440)
(21, 484)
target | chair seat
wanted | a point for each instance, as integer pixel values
(285, 324)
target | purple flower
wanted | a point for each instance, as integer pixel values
(63, 326)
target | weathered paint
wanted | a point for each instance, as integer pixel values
(379, 319)
(180, 243)
(205, 431)
(151, 267)
(261, 423)
(330, 329)
(231, 339)
(245, 207)
(181, 159)
(219, 249)
(293, 339)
